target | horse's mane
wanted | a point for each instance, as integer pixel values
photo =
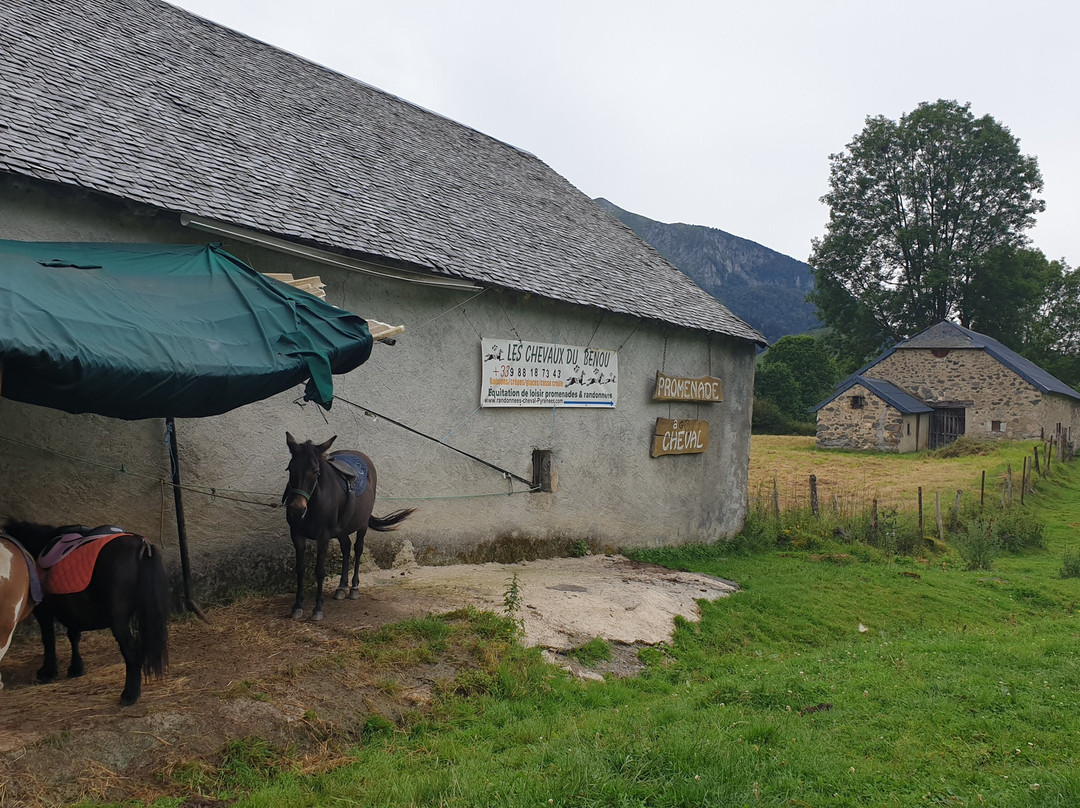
(34, 535)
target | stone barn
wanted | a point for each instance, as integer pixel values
(945, 382)
(554, 381)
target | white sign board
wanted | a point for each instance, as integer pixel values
(541, 374)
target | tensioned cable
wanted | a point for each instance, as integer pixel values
(413, 329)
(215, 492)
(508, 474)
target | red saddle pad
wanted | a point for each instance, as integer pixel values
(73, 572)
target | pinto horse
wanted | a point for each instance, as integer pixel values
(128, 592)
(16, 601)
(330, 496)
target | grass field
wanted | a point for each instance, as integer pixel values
(858, 478)
(839, 676)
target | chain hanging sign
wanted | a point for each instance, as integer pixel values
(541, 374)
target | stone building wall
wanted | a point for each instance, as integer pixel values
(875, 425)
(1059, 410)
(991, 393)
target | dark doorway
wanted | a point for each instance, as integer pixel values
(946, 425)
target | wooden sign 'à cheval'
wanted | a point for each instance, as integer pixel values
(674, 436)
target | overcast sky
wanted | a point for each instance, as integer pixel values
(712, 113)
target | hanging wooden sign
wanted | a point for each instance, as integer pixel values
(679, 436)
(679, 388)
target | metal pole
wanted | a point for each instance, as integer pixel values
(181, 528)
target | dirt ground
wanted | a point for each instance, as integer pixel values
(254, 672)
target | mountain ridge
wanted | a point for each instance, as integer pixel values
(764, 288)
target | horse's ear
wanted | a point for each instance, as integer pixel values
(324, 447)
(289, 439)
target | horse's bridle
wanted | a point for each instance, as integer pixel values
(305, 494)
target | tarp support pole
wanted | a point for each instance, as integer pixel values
(181, 528)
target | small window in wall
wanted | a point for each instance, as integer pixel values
(940, 353)
(543, 475)
(909, 429)
(858, 402)
(997, 426)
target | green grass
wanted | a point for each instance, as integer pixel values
(868, 679)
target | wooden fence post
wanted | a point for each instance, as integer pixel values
(982, 490)
(1037, 469)
(922, 532)
(874, 521)
(813, 496)
(1024, 481)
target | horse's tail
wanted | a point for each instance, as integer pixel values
(152, 611)
(390, 521)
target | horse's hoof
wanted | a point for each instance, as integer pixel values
(317, 614)
(297, 614)
(75, 673)
(340, 593)
(44, 677)
(126, 700)
(354, 593)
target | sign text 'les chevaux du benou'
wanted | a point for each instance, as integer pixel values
(542, 374)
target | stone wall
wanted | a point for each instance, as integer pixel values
(992, 394)
(875, 425)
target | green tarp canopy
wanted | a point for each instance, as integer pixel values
(161, 330)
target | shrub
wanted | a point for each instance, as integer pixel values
(977, 542)
(770, 419)
(1015, 529)
(1019, 529)
(1070, 565)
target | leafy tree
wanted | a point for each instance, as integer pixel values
(1007, 292)
(795, 374)
(1052, 339)
(917, 207)
(776, 384)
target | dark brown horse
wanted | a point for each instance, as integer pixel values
(330, 496)
(128, 593)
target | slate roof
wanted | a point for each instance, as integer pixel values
(887, 391)
(951, 336)
(144, 101)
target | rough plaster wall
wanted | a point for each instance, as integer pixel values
(610, 492)
(874, 426)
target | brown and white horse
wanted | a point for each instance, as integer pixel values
(15, 600)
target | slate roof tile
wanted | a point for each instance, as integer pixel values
(139, 99)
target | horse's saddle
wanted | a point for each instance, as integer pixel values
(60, 546)
(31, 568)
(352, 471)
(68, 560)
